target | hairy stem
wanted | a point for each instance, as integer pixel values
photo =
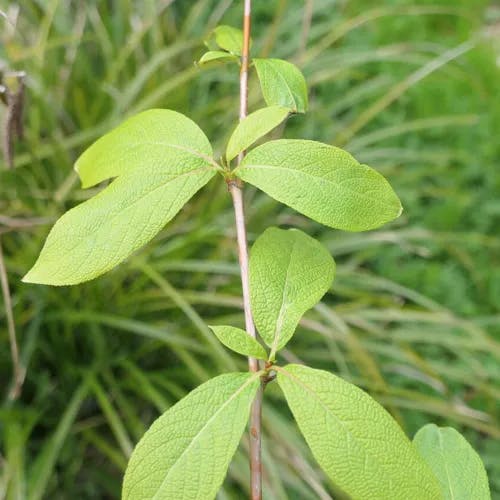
(235, 189)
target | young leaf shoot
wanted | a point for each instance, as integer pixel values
(239, 341)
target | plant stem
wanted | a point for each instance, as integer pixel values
(235, 188)
(245, 56)
(237, 196)
(18, 370)
(253, 364)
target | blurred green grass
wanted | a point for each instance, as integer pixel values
(410, 87)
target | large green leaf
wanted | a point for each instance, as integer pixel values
(289, 273)
(161, 158)
(253, 127)
(282, 84)
(457, 466)
(323, 182)
(162, 139)
(355, 441)
(186, 452)
(239, 341)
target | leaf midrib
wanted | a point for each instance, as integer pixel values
(207, 158)
(280, 76)
(280, 319)
(141, 198)
(198, 154)
(441, 447)
(144, 195)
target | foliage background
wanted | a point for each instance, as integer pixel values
(408, 86)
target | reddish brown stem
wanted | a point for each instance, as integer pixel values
(235, 189)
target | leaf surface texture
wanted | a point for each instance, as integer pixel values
(186, 452)
(356, 442)
(239, 341)
(282, 84)
(161, 159)
(457, 466)
(322, 182)
(289, 273)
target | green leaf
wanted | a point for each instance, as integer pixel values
(355, 441)
(323, 182)
(162, 159)
(282, 84)
(160, 139)
(289, 273)
(216, 56)
(186, 452)
(239, 341)
(229, 38)
(253, 127)
(457, 466)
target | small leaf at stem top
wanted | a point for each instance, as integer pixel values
(253, 127)
(185, 454)
(239, 341)
(457, 466)
(282, 84)
(289, 273)
(356, 442)
(226, 38)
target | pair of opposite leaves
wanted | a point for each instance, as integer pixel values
(186, 452)
(160, 159)
(281, 82)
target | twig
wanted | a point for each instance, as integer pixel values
(17, 223)
(235, 188)
(306, 26)
(18, 371)
(13, 124)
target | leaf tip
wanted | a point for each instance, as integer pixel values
(37, 275)
(400, 210)
(33, 276)
(27, 278)
(77, 167)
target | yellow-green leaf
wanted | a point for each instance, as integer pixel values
(159, 138)
(282, 84)
(253, 127)
(216, 56)
(161, 159)
(186, 452)
(289, 273)
(239, 341)
(229, 38)
(456, 465)
(355, 441)
(323, 182)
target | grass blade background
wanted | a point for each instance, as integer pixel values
(413, 314)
